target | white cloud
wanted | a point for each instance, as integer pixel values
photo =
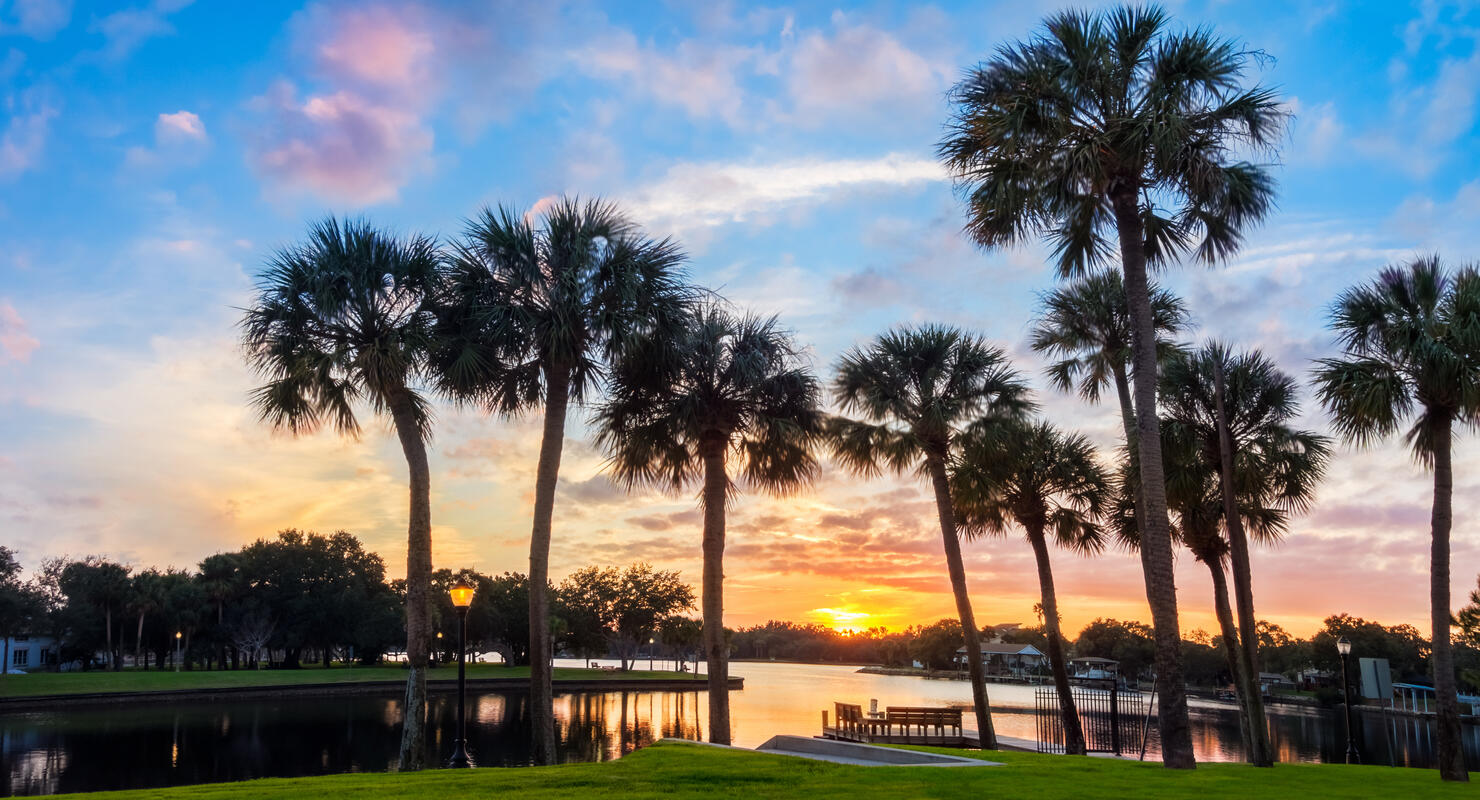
(700, 78)
(179, 137)
(125, 30)
(1426, 121)
(860, 70)
(24, 139)
(16, 342)
(695, 196)
(38, 19)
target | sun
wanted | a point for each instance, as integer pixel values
(842, 620)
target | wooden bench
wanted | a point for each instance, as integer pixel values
(855, 726)
(914, 722)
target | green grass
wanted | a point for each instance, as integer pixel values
(61, 683)
(670, 771)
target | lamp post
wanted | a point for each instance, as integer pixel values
(462, 598)
(1344, 647)
(177, 651)
(650, 654)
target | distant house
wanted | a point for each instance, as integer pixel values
(1005, 658)
(1094, 668)
(1273, 680)
(27, 653)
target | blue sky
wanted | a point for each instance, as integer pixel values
(152, 155)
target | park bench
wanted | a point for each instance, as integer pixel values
(856, 726)
(921, 723)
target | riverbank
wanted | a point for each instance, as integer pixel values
(19, 692)
(670, 770)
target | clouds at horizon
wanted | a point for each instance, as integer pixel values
(150, 162)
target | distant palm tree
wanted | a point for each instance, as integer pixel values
(1234, 409)
(1050, 484)
(685, 407)
(220, 577)
(344, 319)
(1412, 341)
(145, 597)
(536, 309)
(1113, 134)
(918, 391)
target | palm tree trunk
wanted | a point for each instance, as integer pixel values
(541, 648)
(1156, 541)
(716, 653)
(108, 624)
(139, 640)
(1073, 730)
(418, 580)
(957, 569)
(1260, 753)
(1451, 752)
(1224, 613)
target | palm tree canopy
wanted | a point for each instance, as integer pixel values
(1276, 465)
(1412, 342)
(917, 389)
(567, 288)
(345, 316)
(1086, 325)
(734, 382)
(1116, 101)
(1036, 476)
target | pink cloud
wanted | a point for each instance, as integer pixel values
(179, 126)
(342, 146)
(860, 69)
(24, 137)
(16, 343)
(380, 46)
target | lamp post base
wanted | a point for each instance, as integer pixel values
(459, 758)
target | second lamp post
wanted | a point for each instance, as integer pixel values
(462, 598)
(1344, 647)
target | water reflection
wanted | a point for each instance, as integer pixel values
(138, 746)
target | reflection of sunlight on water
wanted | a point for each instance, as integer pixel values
(39, 771)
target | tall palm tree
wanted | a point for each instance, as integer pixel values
(344, 319)
(918, 391)
(221, 578)
(725, 393)
(1112, 128)
(1412, 342)
(536, 308)
(1049, 484)
(1234, 410)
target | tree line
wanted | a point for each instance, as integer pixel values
(303, 597)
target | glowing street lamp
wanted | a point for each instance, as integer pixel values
(1344, 647)
(177, 650)
(650, 654)
(462, 598)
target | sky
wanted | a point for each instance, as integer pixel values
(153, 155)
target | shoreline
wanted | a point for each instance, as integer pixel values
(27, 703)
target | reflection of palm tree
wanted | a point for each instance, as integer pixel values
(1049, 484)
(1412, 341)
(343, 319)
(535, 312)
(918, 390)
(724, 394)
(1112, 134)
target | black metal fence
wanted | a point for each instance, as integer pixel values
(1113, 720)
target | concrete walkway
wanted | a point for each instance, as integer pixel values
(863, 755)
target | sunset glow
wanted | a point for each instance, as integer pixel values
(149, 176)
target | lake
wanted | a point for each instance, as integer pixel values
(146, 744)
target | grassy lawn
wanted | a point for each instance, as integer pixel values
(671, 771)
(52, 683)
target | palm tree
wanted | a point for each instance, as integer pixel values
(1412, 342)
(220, 577)
(536, 309)
(145, 596)
(1112, 124)
(918, 391)
(1048, 483)
(725, 393)
(343, 319)
(1234, 410)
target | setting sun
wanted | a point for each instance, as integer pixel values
(841, 620)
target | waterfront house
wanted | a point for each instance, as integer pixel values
(1006, 659)
(24, 653)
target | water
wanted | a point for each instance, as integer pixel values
(145, 745)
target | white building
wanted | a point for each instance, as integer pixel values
(27, 653)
